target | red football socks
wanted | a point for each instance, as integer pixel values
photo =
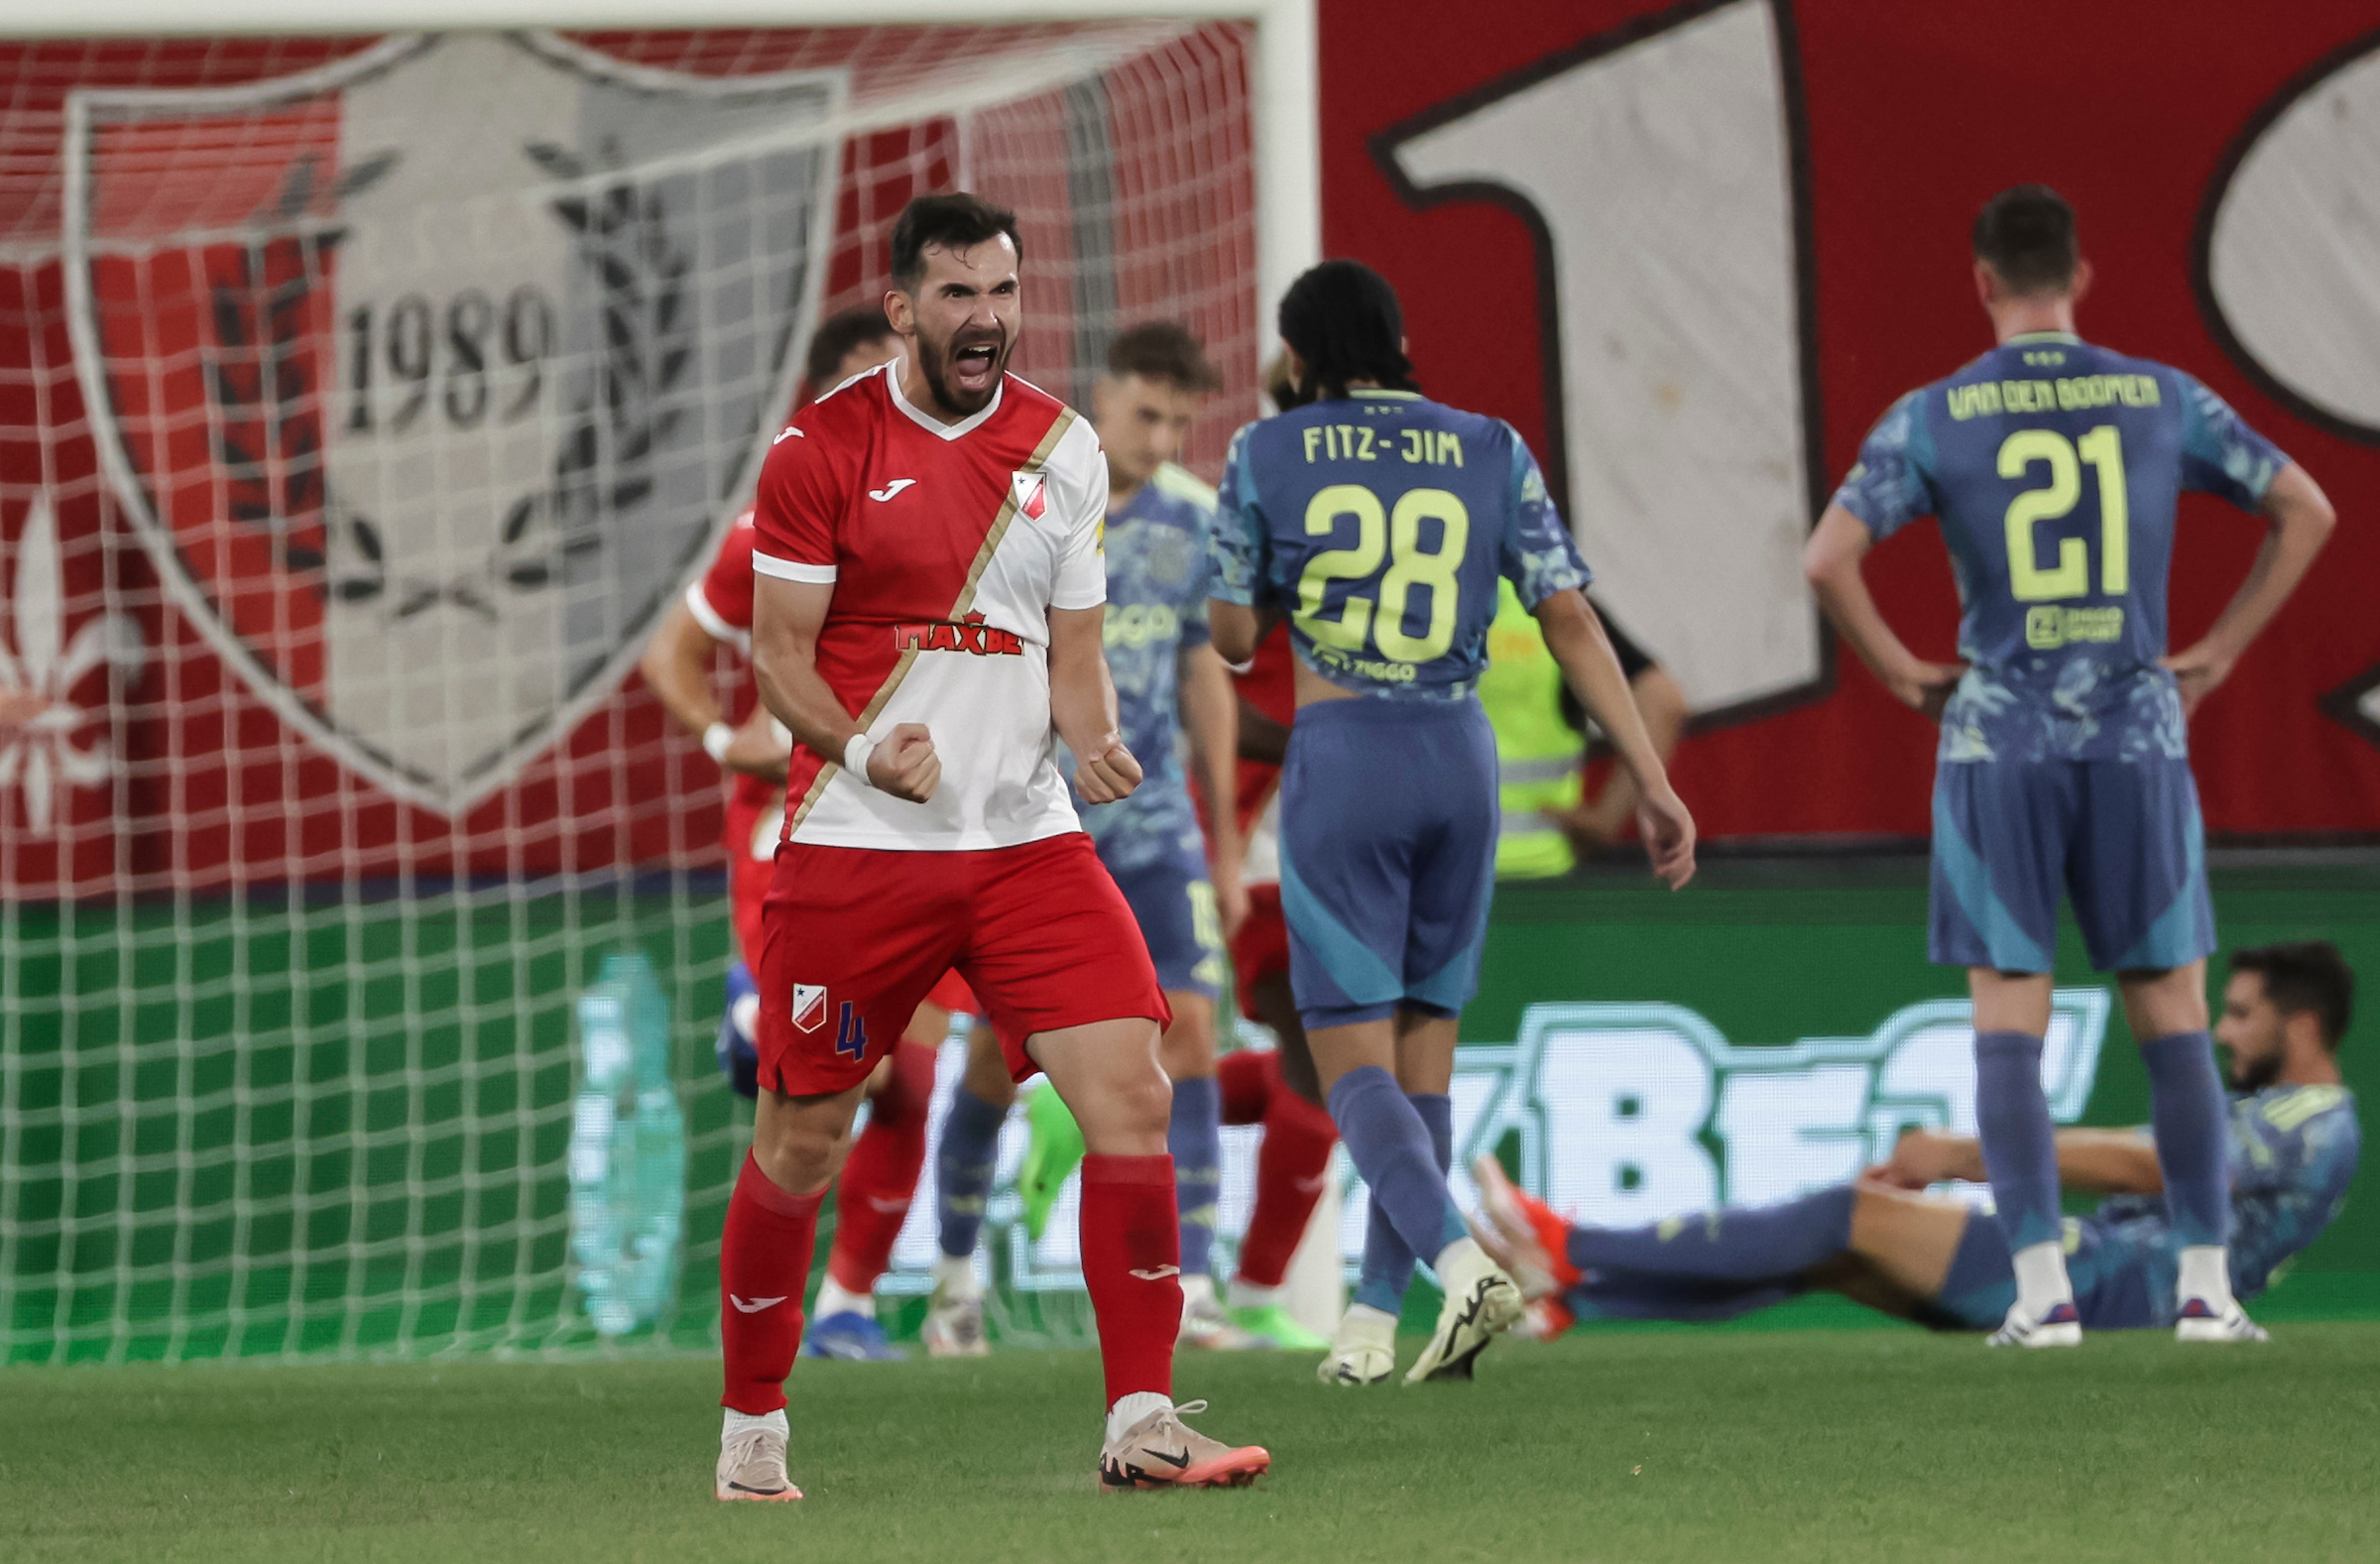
(880, 1175)
(1133, 1266)
(1292, 1162)
(764, 1265)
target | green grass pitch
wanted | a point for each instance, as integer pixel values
(1623, 1445)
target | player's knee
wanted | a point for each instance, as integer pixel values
(1130, 1100)
(801, 1152)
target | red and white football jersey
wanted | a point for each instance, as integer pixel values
(947, 545)
(721, 602)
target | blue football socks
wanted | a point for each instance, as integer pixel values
(1390, 1142)
(1195, 1138)
(963, 1169)
(1389, 1259)
(2020, 1146)
(2187, 1115)
(1737, 1244)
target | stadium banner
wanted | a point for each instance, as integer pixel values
(297, 1191)
(1693, 251)
(338, 463)
(1618, 1114)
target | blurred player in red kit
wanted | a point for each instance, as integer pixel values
(927, 624)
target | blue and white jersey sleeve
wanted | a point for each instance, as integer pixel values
(2220, 454)
(1242, 549)
(2292, 1153)
(1889, 486)
(1539, 556)
(1196, 630)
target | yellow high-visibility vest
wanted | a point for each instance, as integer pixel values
(1538, 755)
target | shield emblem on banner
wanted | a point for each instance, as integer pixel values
(428, 378)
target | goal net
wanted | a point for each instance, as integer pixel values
(363, 404)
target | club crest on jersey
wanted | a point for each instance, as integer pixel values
(428, 498)
(809, 1005)
(969, 635)
(1030, 493)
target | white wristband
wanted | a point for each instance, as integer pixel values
(715, 740)
(854, 758)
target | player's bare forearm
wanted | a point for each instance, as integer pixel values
(2109, 1163)
(786, 617)
(786, 620)
(1261, 738)
(1575, 635)
(678, 669)
(760, 747)
(2302, 521)
(1082, 705)
(1830, 563)
(1238, 628)
(2095, 1162)
(1211, 718)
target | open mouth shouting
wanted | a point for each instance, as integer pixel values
(973, 368)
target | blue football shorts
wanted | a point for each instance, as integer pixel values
(2121, 839)
(1174, 905)
(1388, 818)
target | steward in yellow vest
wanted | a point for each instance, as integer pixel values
(1541, 757)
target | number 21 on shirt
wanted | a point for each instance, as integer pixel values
(1397, 534)
(2029, 582)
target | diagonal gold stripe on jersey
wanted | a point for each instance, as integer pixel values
(975, 576)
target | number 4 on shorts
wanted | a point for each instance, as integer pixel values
(851, 1033)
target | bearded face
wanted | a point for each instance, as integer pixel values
(961, 322)
(963, 368)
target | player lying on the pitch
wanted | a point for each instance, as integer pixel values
(2292, 1144)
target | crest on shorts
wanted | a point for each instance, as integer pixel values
(809, 1005)
(428, 377)
(1030, 493)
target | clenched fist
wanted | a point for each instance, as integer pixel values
(905, 764)
(1106, 772)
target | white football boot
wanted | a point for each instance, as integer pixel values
(2060, 1325)
(1363, 1349)
(751, 1460)
(1481, 1303)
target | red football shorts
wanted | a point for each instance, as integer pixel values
(1261, 947)
(853, 938)
(748, 876)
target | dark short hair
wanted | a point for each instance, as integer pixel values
(2305, 976)
(2026, 234)
(842, 331)
(1342, 318)
(1163, 350)
(953, 219)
